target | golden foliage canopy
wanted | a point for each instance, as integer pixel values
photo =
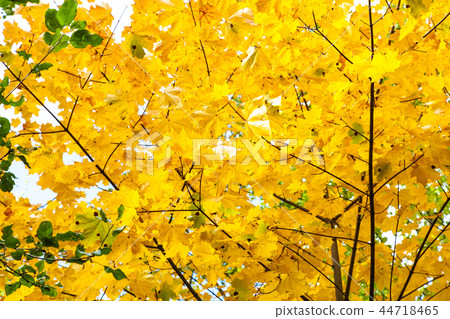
(323, 130)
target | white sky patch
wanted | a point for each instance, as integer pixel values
(70, 159)
(26, 185)
(391, 239)
(121, 9)
(44, 116)
(91, 193)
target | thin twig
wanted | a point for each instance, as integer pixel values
(178, 272)
(419, 253)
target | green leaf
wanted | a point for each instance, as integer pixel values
(166, 293)
(63, 43)
(118, 274)
(18, 102)
(117, 231)
(108, 270)
(95, 40)
(77, 25)
(40, 265)
(417, 7)
(35, 253)
(42, 277)
(18, 254)
(24, 55)
(5, 164)
(97, 253)
(49, 291)
(22, 150)
(69, 236)
(75, 260)
(199, 220)
(41, 67)
(5, 126)
(105, 250)
(80, 39)
(51, 22)
(56, 37)
(49, 258)
(12, 242)
(79, 251)
(120, 210)
(93, 229)
(137, 50)
(26, 268)
(48, 38)
(10, 289)
(356, 133)
(67, 12)
(45, 231)
(103, 216)
(24, 160)
(29, 239)
(50, 242)
(27, 280)
(7, 231)
(5, 82)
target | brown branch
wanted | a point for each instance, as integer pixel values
(33, 68)
(307, 210)
(298, 99)
(395, 246)
(355, 130)
(331, 43)
(436, 26)
(107, 177)
(292, 203)
(359, 219)
(34, 133)
(204, 56)
(68, 294)
(167, 210)
(201, 43)
(317, 234)
(143, 113)
(422, 246)
(331, 174)
(199, 208)
(339, 293)
(438, 292)
(404, 169)
(178, 271)
(129, 292)
(66, 129)
(420, 286)
(371, 185)
(302, 249)
(110, 155)
(353, 202)
(309, 263)
(319, 168)
(237, 112)
(71, 113)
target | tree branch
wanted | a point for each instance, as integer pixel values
(371, 185)
(422, 246)
(175, 268)
(359, 219)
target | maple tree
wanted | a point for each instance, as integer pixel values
(308, 144)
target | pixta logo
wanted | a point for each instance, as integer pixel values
(141, 149)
